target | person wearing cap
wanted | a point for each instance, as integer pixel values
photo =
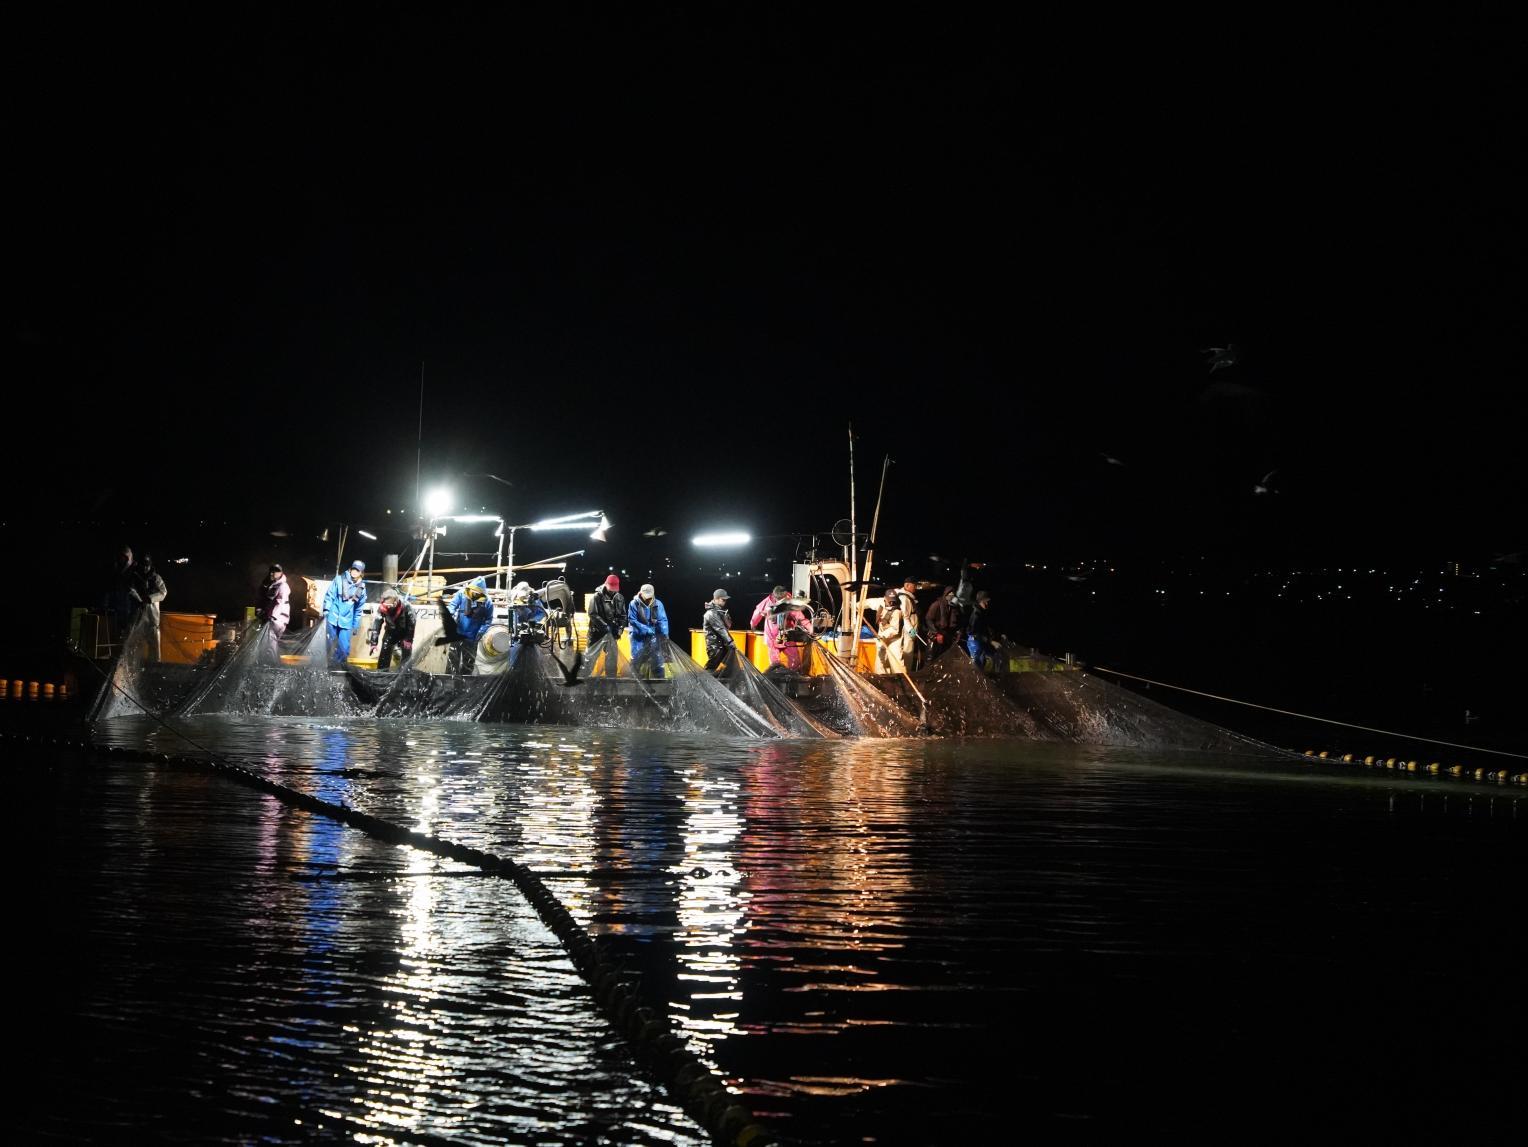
(607, 613)
(471, 612)
(526, 610)
(777, 613)
(717, 625)
(907, 602)
(273, 607)
(148, 590)
(399, 618)
(981, 642)
(890, 626)
(649, 632)
(342, 610)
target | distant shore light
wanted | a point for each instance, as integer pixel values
(735, 538)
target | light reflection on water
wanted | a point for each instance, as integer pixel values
(847, 928)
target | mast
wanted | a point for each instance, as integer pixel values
(864, 589)
(853, 533)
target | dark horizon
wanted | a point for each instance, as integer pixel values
(655, 262)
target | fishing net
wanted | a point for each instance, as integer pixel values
(837, 698)
(618, 691)
(962, 701)
(136, 685)
(1082, 708)
(765, 698)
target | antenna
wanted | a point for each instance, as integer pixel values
(419, 441)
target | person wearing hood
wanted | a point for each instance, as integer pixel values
(981, 642)
(607, 612)
(471, 612)
(717, 625)
(147, 591)
(342, 610)
(273, 606)
(778, 613)
(399, 618)
(944, 620)
(649, 632)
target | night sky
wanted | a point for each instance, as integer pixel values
(653, 262)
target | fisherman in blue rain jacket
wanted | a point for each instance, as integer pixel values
(649, 632)
(472, 611)
(981, 642)
(342, 610)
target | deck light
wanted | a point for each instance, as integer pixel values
(437, 501)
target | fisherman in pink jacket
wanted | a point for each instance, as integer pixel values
(273, 606)
(778, 613)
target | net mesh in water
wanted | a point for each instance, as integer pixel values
(765, 698)
(963, 702)
(836, 697)
(669, 691)
(1084, 709)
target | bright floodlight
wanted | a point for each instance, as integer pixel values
(568, 521)
(437, 501)
(732, 539)
(475, 518)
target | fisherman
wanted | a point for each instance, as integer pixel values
(944, 623)
(342, 610)
(399, 618)
(118, 599)
(981, 643)
(471, 612)
(607, 612)
(907, 602)
(785, 626)
(717, 625)
(273, 607)
(890, 629)
(148, 590)
(649, 632)
(525, 608)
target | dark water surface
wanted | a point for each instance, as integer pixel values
(876, 941)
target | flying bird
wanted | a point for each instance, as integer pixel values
(1110, 460)
(1264, 487)
(1222, 356)
(655, 532)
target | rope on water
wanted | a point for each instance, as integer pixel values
(1309, 717)
(701, 1091)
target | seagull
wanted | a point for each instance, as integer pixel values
(655, 532)
(1220, 356)
(1110, 460)
(495, 477)
(1263, 487)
